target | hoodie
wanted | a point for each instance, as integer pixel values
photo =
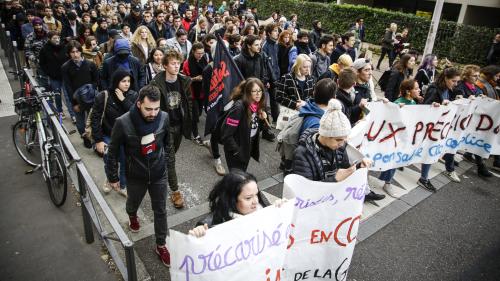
(311, 113)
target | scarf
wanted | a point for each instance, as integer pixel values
(142, 126)
(470, 86)
(254, 107)
(157, 68)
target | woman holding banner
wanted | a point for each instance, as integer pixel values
(441, 92)
(235, 195)
(409, 92)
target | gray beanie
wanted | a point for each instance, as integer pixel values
(360, 63)
(334, 123)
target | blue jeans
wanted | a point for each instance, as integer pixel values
(449, 162)
(57, 86)
(123, 177)
(387, 176)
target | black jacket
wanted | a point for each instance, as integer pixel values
(387, 41)
(101, 35)
(315, 162)
(74, 77)
(114, 109)
(283, 59)
(149, 169)
(163, 33)
(288, 87)
(392, 89)
(350, 108)
(424, 77)
(51, 60)
(252, 66)
(235, 134)
(340, 50)
(186, 101)
(111, 64)
(435, 94)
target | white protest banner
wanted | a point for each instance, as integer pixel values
(396, 137)
(249, 248)
(324, 231)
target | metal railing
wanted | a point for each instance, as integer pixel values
(94, 206)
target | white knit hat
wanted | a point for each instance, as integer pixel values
(334, 123)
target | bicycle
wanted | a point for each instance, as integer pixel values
(31, 134)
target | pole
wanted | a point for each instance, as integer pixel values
(431, 37)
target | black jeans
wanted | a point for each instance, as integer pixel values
(174, 144)
(136, 190)
(214, 146)
(197, 110)
(390, 54)
(235, 162)
(275, 109)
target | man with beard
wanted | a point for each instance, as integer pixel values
(70, 30)
(186, 21)
(146, 162)
(301, 47)
(35, 42)
(158, 27)
(123, 59)
(176, 101)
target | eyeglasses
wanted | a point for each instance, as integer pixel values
(259, 91)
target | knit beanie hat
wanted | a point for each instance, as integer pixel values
(334, 123)
(37, 21)
(360, 63)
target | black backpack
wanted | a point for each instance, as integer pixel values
(384, 79)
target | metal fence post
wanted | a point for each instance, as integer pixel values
(130, 259)
(87, 220)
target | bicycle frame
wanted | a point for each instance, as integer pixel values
(45, 144)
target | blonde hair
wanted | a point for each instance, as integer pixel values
(136, 37)
(345, 60)
(301, 59)
(468, 70)
(393, 27)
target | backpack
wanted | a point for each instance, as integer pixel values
(384, 79)
(288, 138)
(88, 123)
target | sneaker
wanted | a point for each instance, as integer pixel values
(372, 196)
(389, 189)
(134, 224)
(219, 169)
(198, 140)
(426, 184)
(63, 116)
(452, 176)
(268, 135)
(73, 120)
(177, 199)
(482, 171)
(123, 192)
(164, 255)
(87, 143)
(106, 187)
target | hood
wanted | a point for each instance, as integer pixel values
(311, 108)
(118, 75)
(121, 46)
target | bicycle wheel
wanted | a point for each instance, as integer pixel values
(57, 180)
(25, 137)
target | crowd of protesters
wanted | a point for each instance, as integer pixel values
(146, 68)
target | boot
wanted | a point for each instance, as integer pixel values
(482, 171)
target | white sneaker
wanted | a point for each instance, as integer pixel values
(123, 192)
(106, 187)
(389, 189)
(219, 169)
(452, 176)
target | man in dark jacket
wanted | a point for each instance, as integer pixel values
(176, 101)
(158, 27)
(123, 59)
(101, 32)
(347, 46)
(52, 56)
(77, 72)
(352, 104)
(321, 57)
(72, 28)
(143, 131)
(493, 56)
(252, 64)
(134, 19)
(322, 155)
(270, 49)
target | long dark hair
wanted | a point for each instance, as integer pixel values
(448, 73)
(224, 196)
(403, 62)
(244, 92)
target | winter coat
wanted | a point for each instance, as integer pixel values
(74, 76)
(252, 66)
(186, 102)
(132, 21)
(320, 64)
(299, 48)
(463, 90)
(340, 50)
(150, 168)
(94, 56)
(110, 65)
(387, 41)
(332, 73)
(435, 94)
(392, 88)
(33, 45)
(425, 77)
(312, 114)
(193, 68)
(68, 32)
(350, 108)
(315, 162)
(172, 43)
(283, 60)
(51, 59)
(314, 37)
(101, 35)
(270, 48)
(157, 33)
(288, 87)
(139, 52)
(235, 134)
(488, 87)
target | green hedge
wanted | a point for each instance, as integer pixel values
(459, 43)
